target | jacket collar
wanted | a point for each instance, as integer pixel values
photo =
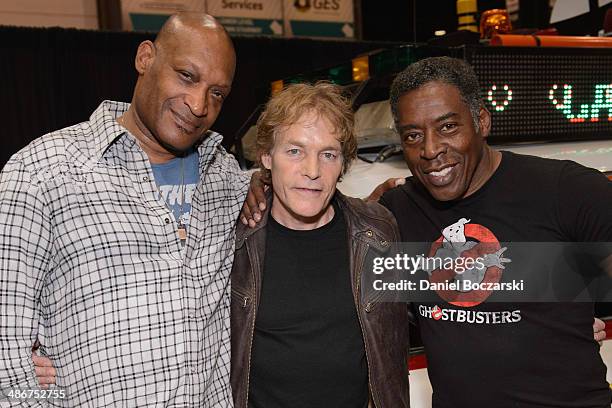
(353, 213)
(359, 221)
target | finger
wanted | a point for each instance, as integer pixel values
(600, 336)
(506, 260)
(501, 251)
(44, 372)
(251, 201)
(598, 325)
(260, 195)
(257, 187)
(46, 380)
(246, 212)
(254, 210)
(41, 361)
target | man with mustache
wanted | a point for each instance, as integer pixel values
(118, 236)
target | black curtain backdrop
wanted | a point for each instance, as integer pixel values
(53, 78)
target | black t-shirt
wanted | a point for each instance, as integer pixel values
(308, 349)
(513, 354)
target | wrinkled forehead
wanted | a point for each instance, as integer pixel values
(430, 102)
(311, 128)
(201, 45)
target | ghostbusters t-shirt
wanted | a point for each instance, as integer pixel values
(484, 354)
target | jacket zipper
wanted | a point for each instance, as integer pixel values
(242, 296)
(365, 342)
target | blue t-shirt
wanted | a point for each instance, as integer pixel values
(169, 180)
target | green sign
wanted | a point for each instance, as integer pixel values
(148, 22)
(251, 26)
(322, 29)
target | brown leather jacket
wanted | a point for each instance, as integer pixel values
(384, 325)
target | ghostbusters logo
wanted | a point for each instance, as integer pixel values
(436, 313)
(465, 240)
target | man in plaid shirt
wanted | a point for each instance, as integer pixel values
(133, 300)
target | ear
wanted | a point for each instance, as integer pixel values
(144, 56)
(266, 160)
(484, 120)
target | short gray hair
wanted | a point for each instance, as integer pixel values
(452, 71)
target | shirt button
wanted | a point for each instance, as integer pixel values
(194, 370)
(145, 178)
(191, 316)
(167, 220)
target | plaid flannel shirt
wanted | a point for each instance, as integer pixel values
(89, 250)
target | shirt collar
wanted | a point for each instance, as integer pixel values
(208, 147)
(107, 130)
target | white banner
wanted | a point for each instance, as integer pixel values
(149, 15)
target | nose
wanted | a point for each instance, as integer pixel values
(432, 146)
(197, 102)
(310, 167)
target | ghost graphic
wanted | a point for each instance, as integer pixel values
(454, 243)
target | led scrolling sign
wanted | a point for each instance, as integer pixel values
(545, 94)
(602, 101)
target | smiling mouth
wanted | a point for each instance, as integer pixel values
(441, 177)
(183, 123)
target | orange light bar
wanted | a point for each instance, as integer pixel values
(495, 21)
(513, 40)
(361, 68)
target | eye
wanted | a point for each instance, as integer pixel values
(218, 95)
(411, 137)
(185, 75)
(448, 127)
(330, 155)
(293, 152)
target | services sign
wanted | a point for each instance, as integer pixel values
(248, 17)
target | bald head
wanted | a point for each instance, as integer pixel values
(190, 22)
(183, 80)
